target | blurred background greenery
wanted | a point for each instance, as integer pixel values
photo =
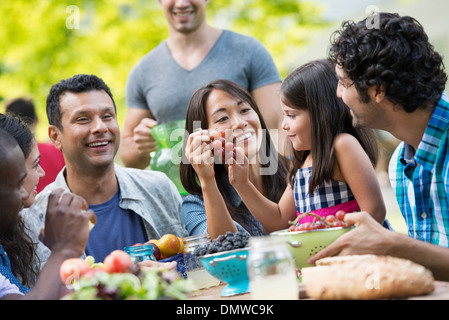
(39, 47)
(40, 42)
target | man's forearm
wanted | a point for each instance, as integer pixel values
(131, 157)
(431, 256)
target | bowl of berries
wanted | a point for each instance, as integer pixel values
(306, 239)
(225, 259)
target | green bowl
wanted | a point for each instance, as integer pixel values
(304, 244)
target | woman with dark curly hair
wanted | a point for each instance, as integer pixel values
(392, 79)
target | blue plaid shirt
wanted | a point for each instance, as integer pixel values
(421, 180)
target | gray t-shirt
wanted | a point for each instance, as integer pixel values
(158, 83)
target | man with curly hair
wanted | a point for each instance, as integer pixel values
(392, 79)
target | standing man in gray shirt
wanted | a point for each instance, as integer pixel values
(160, 85)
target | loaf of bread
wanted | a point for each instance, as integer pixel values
(366, 277)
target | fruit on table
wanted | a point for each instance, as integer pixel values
(90, 260)
(137, 244)
(94, 266)
(73, 269)
(340, 215)
(169, 245)
(136, 283)
(225, 242)
(181, 245)
(330, 221)
(156, 251)
(117, 261)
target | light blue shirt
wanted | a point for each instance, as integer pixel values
(421, 180)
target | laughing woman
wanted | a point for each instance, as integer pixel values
(230, 125)
(26, 262)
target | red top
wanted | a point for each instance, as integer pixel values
(52, 162)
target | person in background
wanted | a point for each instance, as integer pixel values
(16, 248)
(213, 206)
(132, 205)
(51, 159)
(333, 164)
(392, 79)
(160, 85)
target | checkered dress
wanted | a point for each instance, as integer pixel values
(329, 194)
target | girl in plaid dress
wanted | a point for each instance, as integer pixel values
(333, 162)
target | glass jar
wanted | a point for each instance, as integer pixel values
(271, 269)
(140, 253)
(194, 269)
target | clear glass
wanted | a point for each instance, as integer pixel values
(140, 253)
(167, 157)
(194, 269)
(271, 270)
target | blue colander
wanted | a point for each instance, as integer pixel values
(229, 266)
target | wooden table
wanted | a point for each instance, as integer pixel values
(441, 292)
(214, 293)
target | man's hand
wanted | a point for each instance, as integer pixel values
(66, 223)
(137, 141)
(142, 137)
(368, 237)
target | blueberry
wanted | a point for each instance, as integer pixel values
(213, 249)
(238, 244)
(226, 243)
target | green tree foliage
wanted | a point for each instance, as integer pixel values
(44, 41)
